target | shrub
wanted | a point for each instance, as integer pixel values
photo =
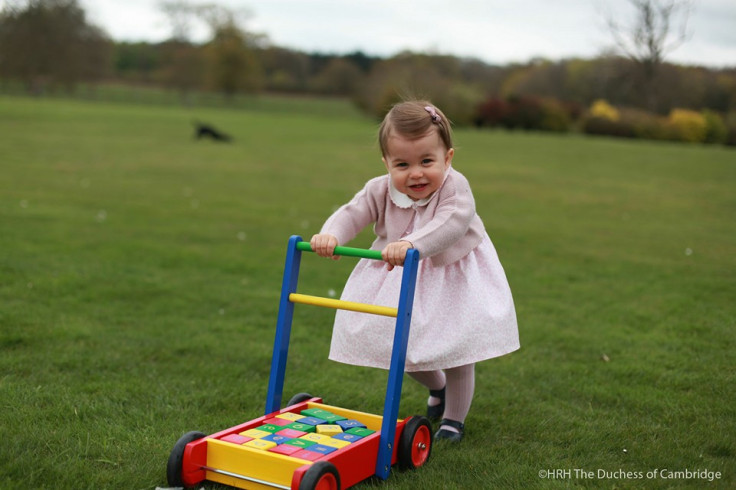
(715, 129)
(603, 110)
(688, 125)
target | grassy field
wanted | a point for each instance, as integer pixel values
(140, 273)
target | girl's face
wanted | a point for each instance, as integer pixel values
(417, 166)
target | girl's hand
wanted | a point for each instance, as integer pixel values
(395, 253)
(324, 245)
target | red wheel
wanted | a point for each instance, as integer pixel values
(415, 444)
(322, 475)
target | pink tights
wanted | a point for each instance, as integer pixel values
(460, 385)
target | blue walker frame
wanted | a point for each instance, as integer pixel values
(398, 354)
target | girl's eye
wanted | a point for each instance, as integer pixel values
(427, 161)
(402, 165)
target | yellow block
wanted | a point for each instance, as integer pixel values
(335, 443)
(290, 416)
(255, 433)
(259, 444)
(329, 430)
(343, 305)
(315, 437)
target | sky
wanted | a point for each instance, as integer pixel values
(495, 31)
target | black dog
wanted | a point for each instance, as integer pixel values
(208, 131)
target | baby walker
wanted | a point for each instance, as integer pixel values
(310, 445)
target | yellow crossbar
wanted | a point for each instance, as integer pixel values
(342, 305)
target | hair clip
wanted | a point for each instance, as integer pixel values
(433, 113)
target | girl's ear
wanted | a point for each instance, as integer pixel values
(383, 159)
(448, 157)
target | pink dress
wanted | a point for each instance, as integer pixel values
(463, 309)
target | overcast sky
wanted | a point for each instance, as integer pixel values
(496, 31)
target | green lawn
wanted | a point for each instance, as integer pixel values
(140, 273)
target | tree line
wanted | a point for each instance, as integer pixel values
(48, 45)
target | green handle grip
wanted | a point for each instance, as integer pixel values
(346, 251)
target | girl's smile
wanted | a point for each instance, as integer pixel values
(417, 166)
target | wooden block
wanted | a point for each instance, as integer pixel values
(289, 416)
(336, 443)
(331, 418)
(307, 455)
(320, 448)
(312, 421)
(360, 431)
(236, 439)
(277, 439)
(255, 433)
(349, 424)
(285, 449)
(290, 433)
(314, 437)
(315, 412)
(329, 430)
(347, 437)
(300, 426)
(277, 421)
(300, 443)
(271, 428)
(260, 444)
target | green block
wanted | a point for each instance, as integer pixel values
(332, 418)
(303, 443)
(270, 428)
(316, 412)
(298, 426)
(360, 431)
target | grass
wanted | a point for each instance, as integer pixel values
(140, 272)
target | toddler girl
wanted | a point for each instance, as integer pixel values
(463, 310)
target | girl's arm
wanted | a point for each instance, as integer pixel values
(350, 219)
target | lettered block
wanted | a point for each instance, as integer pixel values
(260, 444)
(336, 443)
(290, 433)
(289, 416)
(349, 424)
(255, 433)
(276, 438)
(271, 428)
(315, 412)
(300, 443)
(236, 439)
(308, 455)
(276, 421)
(347, 437)
(314, 437)
(329, 430)
(312, 421)
(285, 449)
(331, 418)
(360, 431)
(321, 448)
(300, 426)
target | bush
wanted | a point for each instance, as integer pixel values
(603, 110)
(523, 112)
(688, 125)
(715, 129)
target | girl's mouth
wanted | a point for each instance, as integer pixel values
(418, 187)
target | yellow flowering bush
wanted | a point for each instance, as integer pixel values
(603, 110)
(688, 125)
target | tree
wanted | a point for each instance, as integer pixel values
(656, 29)
(49, 43)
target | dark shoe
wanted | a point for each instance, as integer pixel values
(448, 435)
(436, 411)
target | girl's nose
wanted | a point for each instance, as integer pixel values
(416, 172)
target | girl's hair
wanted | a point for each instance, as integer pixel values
(413, 119)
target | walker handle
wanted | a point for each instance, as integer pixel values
(346, 251)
